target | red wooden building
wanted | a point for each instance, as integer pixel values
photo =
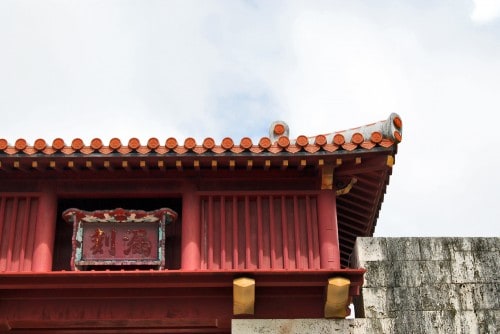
(259, 230)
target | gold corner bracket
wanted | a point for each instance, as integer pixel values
(337, 298)
(243, 296)
(327, 177)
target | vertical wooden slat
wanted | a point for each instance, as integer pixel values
(272, 232)
(204, 241)
(3, 203)
(235, 233)
(216, 234)
(3, 234)
(24, 233)
(297, 232)
(31, 235)
(260, 244)
(265, 233)
(314, 217)
(223, 232)
(210, 233)
(248, 256)
(304, 247)
(18, 234)
(284, 230)
(310, 251)
(12, 234)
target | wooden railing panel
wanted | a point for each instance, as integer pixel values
(18, 220)
(259, 232)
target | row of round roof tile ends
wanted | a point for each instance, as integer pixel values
(384, 133)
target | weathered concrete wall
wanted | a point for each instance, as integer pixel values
(414, 285)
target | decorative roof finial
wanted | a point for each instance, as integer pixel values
(278, 129)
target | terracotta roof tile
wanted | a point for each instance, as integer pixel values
(86, 150)
(171, 143)
(208, 143)
(380, 134)
(134, 143)
(237, 149)
(349, 146)
(367, 145)
(199, 149)
(96, 143)
(227, 143)
(283, 142)
(67, 150)
(302, 141)
(330, 147)
(153, 143)
(312, 148)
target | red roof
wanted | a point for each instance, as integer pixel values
(381, 134)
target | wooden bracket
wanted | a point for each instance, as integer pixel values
(243, 296)
(327, 177)
(337, 298)
(390, 161)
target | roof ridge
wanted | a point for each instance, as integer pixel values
(385, 133)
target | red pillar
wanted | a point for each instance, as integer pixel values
(191, 230)
(328, 230)
(45, 231)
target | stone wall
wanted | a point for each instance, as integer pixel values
(414, 285)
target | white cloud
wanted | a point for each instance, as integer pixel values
(485, 10)
(180, 68)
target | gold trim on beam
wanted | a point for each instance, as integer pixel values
(267, 164)
(161, 164)
(107, 165)
(232, 164)
(143, 165)
(358, 160)
(390, 161)
(125, 165)
(71, 164)
(249, 164)
(34, 164)
(284, 164)
(214, 165)
(196, 164)
(302, 165)
(52, 164)
(88, 164)
(178, 165)
(327, 177)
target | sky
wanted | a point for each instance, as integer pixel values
(86, 69)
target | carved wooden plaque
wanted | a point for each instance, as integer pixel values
(118, 237)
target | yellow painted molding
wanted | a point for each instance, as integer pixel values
(337, 298)
(327, 177)
(347, 188)
(390, 161)
(243, 296)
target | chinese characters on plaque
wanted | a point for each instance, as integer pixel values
(118, 237)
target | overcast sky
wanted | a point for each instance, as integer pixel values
(229, 68)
